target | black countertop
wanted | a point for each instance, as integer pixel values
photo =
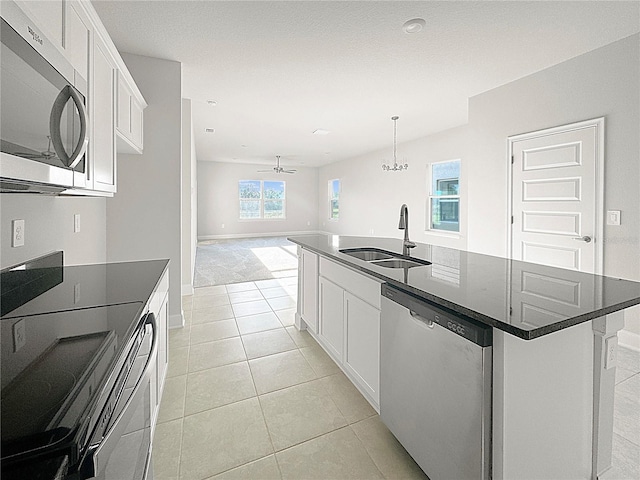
(524, 299)
(56, 288)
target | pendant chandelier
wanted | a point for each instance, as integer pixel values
(396, 167)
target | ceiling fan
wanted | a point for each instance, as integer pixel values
(278, 168)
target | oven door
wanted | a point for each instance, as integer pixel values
(43, 124)
(124, 452)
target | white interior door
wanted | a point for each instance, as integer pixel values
(556, 196)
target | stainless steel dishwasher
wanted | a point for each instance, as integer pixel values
(435, 386)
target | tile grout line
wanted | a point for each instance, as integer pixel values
(366, 449)
(264, 419)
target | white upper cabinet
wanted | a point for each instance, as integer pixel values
(103, 93)
(129, 123)
(77, 39)
(115, 105)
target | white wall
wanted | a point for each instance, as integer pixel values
(370, 198)
(144, 217)
(604, 82)
(49, 227)
(189, 212)
(218, 201)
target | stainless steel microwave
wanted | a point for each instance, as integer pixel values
(44, 125)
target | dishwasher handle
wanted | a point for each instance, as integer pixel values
(421, 320)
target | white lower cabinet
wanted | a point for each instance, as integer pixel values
(308, 295)
(159, 306)
(362, 343)
(332, 317)
(349, 325)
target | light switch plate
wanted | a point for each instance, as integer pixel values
(76, 223)
(613, 217)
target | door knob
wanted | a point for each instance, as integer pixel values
(586, 238)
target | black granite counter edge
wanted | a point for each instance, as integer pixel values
(459, 309)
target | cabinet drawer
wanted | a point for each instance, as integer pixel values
(357, 283)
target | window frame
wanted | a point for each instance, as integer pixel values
(331, 199)
(429, 227)
(262, 200)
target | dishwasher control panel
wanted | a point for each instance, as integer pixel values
(424, 310)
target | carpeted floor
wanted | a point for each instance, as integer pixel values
(220, 262)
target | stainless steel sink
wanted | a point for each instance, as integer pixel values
(384, 258)
(399, 263)
(368, 254)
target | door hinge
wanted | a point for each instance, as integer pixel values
(512, 159)
(510, 311)
(511, 219)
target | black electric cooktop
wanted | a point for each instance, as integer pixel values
(62, 328)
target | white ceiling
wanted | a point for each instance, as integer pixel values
(279, 70)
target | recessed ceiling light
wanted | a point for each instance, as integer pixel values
(320, 131)
(210, 130)
(213, 103)
(414, 25)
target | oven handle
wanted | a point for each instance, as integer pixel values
(68, 92)
(103, 450)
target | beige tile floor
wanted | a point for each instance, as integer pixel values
(247, 396)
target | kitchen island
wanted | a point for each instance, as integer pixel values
(554, 343)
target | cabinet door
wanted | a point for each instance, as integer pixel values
(77, 37)
(103, 161)
(309, 302)
(332, 317)
(129, 125)
(136, 123)
(163, 339)
(124, 108)
(362, 349)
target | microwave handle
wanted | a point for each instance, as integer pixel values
(61, 100)
(98, 454)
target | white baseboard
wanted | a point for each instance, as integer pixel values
(187, 289)
(176, 321)
(203, 238)
(629, 340)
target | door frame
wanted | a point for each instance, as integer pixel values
(598, 123)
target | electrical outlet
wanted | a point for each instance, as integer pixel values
(19, 335)
(76, 223)
(611, 352)
(17, 227)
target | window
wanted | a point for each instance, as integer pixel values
(261, 199)
(334, 199)
(444, 196)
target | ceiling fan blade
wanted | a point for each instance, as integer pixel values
(289, 171)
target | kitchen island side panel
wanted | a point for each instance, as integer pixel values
(543, 405)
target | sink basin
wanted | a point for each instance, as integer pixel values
(368, 254)
(399, 263)
(384, 258)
